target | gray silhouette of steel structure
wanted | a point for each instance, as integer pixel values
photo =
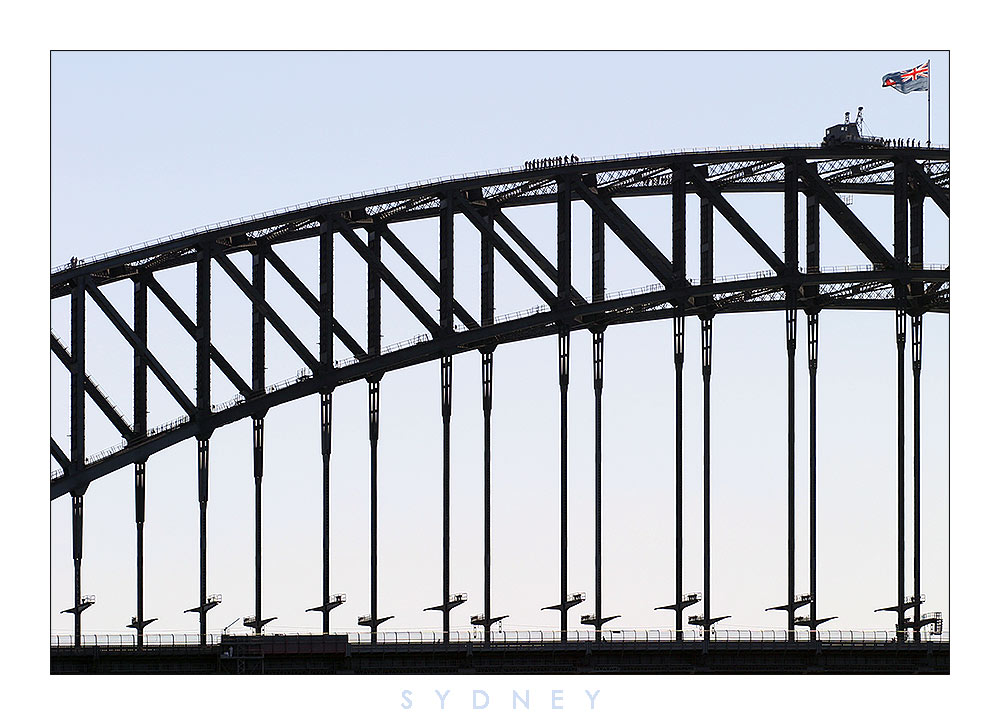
(896, 280)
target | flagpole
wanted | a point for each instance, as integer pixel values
(928, 102)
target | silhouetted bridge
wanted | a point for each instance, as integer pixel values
(896, 279)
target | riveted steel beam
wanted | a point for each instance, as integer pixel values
(487, 280)
(324, 308)
(446, 264)
(78, 374)
(597, 256)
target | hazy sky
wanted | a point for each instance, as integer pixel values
(148, 144)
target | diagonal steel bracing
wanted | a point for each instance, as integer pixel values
(310, 299)
(92, 389)
(192, 329)
(61, 458)
(845, 218)
(709, 191)
(425, 275)
(269, 314)
(388, 278)
(129, 334)
(938, 194)
(478, 219)
(626, 230)
(534, 254)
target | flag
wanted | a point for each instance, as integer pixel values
(904, 81)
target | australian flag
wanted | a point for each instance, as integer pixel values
(904, 81)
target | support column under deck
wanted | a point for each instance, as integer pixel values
(203, 538)
(813, 351)
(563, 481)
(487, 466)
(373, 413)
(326, 428)
(678, 474)
(258, 479)
(706, 373)
(791, 318)
(598, 390)
(446, 378)
(140, 520)
(77, 566)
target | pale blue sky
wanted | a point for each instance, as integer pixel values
(144, 145)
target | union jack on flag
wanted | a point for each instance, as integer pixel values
(915, 79)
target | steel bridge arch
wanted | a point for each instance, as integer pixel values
(875, 172)
(896, 279)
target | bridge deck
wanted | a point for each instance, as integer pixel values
(336, 655)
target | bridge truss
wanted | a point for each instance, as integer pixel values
(895, 279)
